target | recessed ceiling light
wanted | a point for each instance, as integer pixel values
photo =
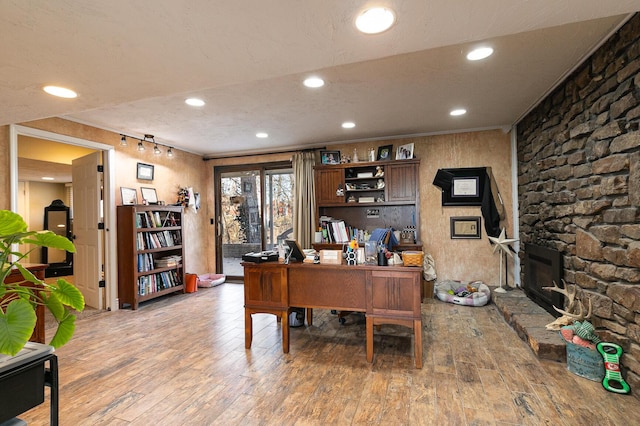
(375, 20)
(262, 135)
(479, 53)
(47, 178)
(313, 82)
(60, 92)
(194, 102)
(460, 111)
(348, 125)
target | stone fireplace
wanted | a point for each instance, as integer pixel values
(543, 267)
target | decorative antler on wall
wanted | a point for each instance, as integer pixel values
(574, 310)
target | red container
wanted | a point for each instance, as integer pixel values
(191, 283)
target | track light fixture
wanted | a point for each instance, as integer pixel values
(146, 138)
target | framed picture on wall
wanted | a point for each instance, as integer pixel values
(465, 227)
(145, 171)
(129, 196)
(463, 187)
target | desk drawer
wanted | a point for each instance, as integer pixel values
(320, 287)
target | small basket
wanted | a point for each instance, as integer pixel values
(584, 362)
(412, 258)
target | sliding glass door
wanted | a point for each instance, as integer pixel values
(255, 212)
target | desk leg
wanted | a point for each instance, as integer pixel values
(417, 337)
(285, 331)
(248, 328)
(369, 322)
(309, 316)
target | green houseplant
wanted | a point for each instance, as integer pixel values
(18, 301)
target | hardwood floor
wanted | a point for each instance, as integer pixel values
(180, 360)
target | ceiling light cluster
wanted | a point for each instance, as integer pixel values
(149, 139)
(371, 21)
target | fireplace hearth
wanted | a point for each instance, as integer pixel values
(543, 267)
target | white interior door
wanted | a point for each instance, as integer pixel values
(87, 184)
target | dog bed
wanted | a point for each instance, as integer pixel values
(211, 280)
(459, 292)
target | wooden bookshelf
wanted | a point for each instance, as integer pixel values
(369, 199)
(150, 253)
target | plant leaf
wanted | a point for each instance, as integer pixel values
(11, 223)
(65, 330)
(16, 326)
(50, 239)
(68, 294)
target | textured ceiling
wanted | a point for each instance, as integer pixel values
(134, 62)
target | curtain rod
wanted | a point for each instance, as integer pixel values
(265, 153)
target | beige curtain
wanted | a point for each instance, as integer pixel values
(304, 212)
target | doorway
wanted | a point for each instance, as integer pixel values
(255, 205)
(104, 280)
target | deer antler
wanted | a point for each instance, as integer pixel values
(569, 315)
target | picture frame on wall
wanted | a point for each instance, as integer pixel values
(129, 196)
(463, 186)
(145, 171)
(404, 152)
(149, 195)
(467, 227)
(330, 157)
(468, 186)
(384, 152)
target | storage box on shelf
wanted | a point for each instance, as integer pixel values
(369, 195)
(150, 253)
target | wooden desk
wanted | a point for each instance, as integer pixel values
(15, 276)
(386, 294)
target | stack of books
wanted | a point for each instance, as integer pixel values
(168, 261)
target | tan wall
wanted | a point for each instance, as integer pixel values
(455, 259)
(463, 260)
(183, 169)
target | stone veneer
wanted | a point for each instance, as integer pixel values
(579, 186)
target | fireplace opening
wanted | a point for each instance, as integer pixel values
(543, 267)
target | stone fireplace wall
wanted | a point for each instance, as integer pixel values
(579, 186)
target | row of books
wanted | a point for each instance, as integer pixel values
(152, 240)
(151, 219)
(148, 284)
(147, 263)
(337, 231)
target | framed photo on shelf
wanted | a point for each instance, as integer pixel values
(467, 227)
(330, 157)
(149, 195)
(404, 152)
(145, 171)
(129, 196)
(384, 152)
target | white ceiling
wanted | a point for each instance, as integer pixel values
(134, 62)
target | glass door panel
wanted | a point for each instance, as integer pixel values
(278, 211)
(256, 212)
(241, 218)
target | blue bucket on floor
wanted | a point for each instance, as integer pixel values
(585, 362)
